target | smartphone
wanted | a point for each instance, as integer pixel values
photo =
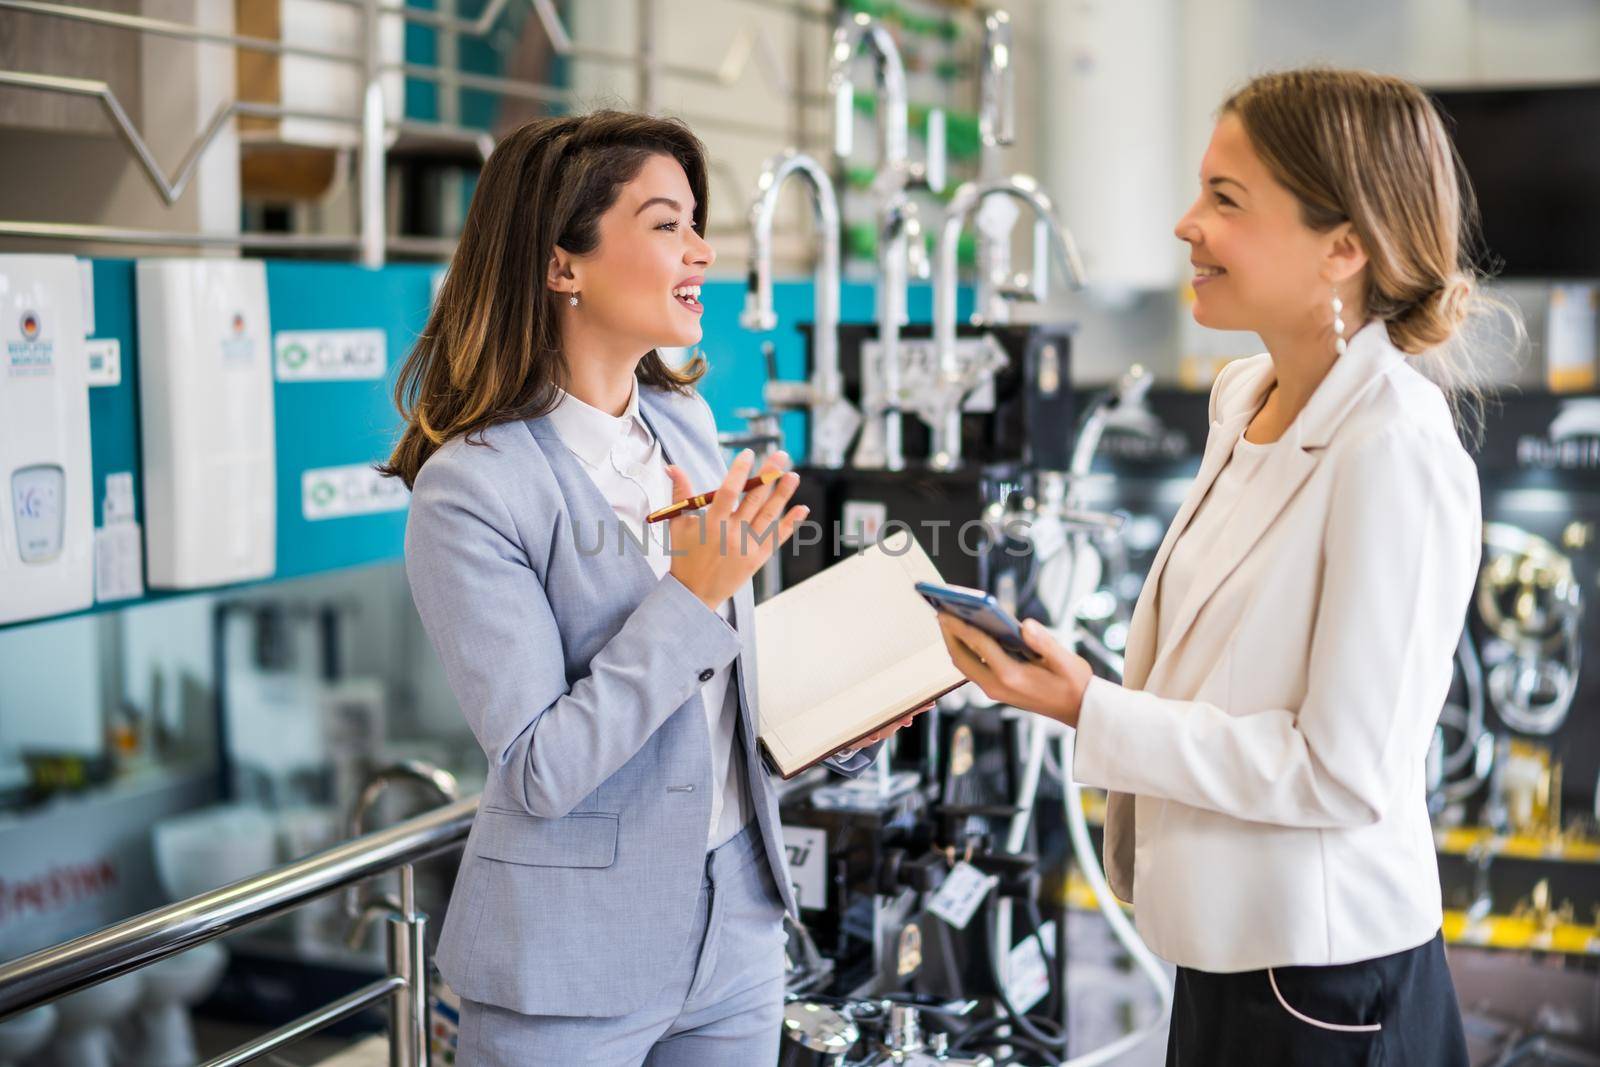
(983, 611)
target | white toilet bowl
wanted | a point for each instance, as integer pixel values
(85, 1020)
(162, 1035)
(194, 852)
(24, 1035)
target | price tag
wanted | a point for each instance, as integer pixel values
(1028, 976)
(963, 890)
(807, 852)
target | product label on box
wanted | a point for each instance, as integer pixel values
(960, 894)
(331, 355)
(30, 354)
(118, 562)
(237, 345)
(807, 852)
(863, 521)
(105, 361)
(338, 492)
(1028, 975)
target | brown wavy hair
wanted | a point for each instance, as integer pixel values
(1372, 150)
(491, 351)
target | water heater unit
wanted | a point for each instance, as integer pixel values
(206, 415)
(47, 524)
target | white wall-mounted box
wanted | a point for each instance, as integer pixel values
(206, 421)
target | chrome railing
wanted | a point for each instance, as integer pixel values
(43, 976)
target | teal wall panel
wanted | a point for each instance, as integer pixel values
(114, 409)
(342, 423)
(334, 423)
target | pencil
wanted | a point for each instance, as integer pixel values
(696, 502)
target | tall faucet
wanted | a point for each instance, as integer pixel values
(363, 908)
(880, 445)
(997, 129)
(825, 391)
(952, 381)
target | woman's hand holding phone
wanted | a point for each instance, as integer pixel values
(717, 549)
(1053, 687)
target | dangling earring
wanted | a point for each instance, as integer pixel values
(1338, 324)
(573, 300)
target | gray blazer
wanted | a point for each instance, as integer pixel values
(579, 673)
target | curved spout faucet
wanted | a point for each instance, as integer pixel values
(851, 33)
(880, 445)
(826, 388)
(953, 382)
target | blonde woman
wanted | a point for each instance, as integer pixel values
(1292, 645)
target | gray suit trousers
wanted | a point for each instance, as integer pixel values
(721, 1004)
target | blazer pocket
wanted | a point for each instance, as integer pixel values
(1331, 996)
(582, 839)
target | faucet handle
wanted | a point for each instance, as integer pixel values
(919, 264)
(935, 137)
(998, 85)
(758, 314)
(844, 118)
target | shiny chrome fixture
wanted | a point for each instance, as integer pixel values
(953, 381)
(901, 248)
(832, 418)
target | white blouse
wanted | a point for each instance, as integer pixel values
(626, 463)
(1193, 551)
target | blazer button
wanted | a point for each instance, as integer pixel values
(706, 675)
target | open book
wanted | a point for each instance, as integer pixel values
(847, 652)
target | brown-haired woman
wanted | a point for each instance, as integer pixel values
(1293, 641)
(621, 895)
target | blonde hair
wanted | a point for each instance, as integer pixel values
(1373, 151)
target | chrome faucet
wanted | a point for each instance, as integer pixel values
(997, 96)
(364, 909)
(901, 248)
(829, 431)
(953, 381)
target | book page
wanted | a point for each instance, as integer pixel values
(848, 649)
(874, 702)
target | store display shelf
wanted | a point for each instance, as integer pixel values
(1522, 934)
(1469, 840)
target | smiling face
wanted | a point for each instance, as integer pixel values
(640, 287)
(1258, 266)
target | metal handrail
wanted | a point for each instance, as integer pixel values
(50, 973)
(751, 48)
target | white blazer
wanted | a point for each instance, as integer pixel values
(1267, 762)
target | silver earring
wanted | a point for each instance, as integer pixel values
(573, 300)
(1338, 324)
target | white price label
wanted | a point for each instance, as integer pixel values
(105, 361)
(118, 562)
(963, 890)
(807, 852)
(1028, 975)
(863, 521)
(838, 424)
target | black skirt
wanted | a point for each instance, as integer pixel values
(1393, 1011)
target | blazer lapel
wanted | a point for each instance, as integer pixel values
(703, 462)
(1367, 359)
(1140, 652)
(1280, 477)
(590, 510)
